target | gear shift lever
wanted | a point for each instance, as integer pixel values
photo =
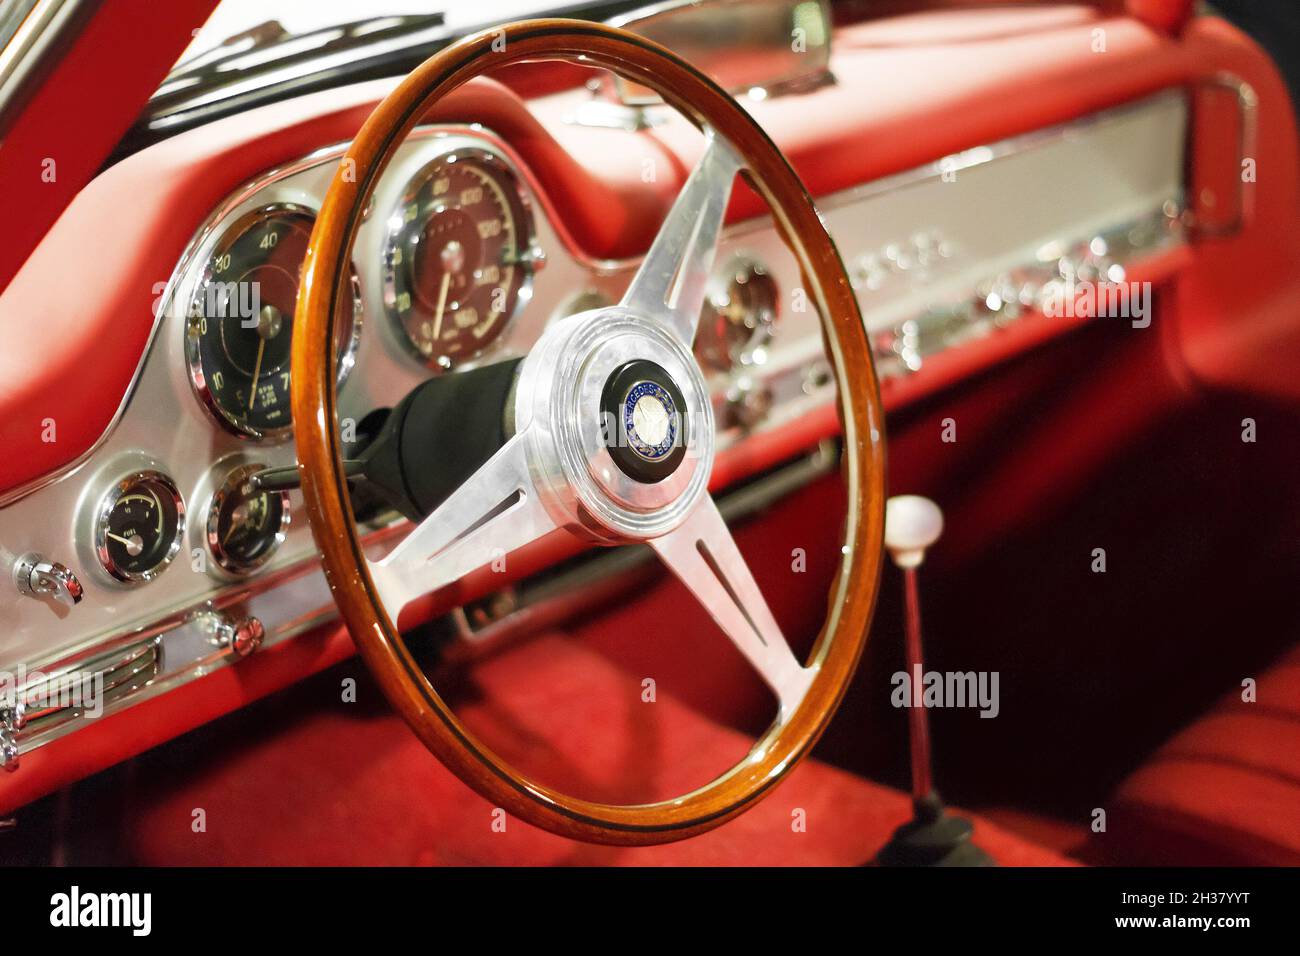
(932, 837)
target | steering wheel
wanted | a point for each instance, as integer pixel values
(612, 439)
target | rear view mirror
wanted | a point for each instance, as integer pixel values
(765, 47)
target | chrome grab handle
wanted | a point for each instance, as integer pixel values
(1247, 142)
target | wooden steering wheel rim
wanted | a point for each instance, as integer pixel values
(325, 280)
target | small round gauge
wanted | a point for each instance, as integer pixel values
(245, 526)
(240, 328)
(459, 256)
(138, 527)
(738, 315)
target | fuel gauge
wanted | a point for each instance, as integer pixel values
(138, 528)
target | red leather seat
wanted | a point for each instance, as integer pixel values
(1224, 791)
(310, 780)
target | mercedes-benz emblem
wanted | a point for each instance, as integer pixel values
(650, 420)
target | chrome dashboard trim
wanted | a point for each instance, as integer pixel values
(243, 194)
(186, 649)
(955, 162)
(29, 31)
(796, 376)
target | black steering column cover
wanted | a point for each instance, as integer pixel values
(438, 436)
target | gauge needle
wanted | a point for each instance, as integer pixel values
(133, 544)
(268, 327)
(442, 304)
(257, 371)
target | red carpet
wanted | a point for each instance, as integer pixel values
(334, 783)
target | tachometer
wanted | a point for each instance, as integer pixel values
(459, 256)
(240, 328)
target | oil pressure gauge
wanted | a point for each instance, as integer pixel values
(245, 526)
(138, 526)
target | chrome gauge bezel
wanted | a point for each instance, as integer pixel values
(528, 249)
(748, 352)
(193, 358)
(104, 510)
(228, 485)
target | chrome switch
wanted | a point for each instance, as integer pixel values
(36, 576)
(12, 718)
(240, 637)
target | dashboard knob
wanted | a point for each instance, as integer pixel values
(8, 751)
(12, 718)
(239, 636)
(247, 636)
(36, 576)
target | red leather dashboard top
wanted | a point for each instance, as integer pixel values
(78, 108)
(77, 317)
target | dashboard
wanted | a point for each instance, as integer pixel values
(180, 565)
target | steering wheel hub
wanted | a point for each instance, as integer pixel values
(643, 416)
(622, 421)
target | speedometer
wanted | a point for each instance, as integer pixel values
(239, 334)
(458, 257)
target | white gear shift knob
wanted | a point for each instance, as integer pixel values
(912, 524)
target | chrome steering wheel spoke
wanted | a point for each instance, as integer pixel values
(703, 555)
(671, 281)
(495, 512)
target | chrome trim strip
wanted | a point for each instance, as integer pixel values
(812, 77)
(183, 632)
(970, 158)
(34, 32)
(1247, 101)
